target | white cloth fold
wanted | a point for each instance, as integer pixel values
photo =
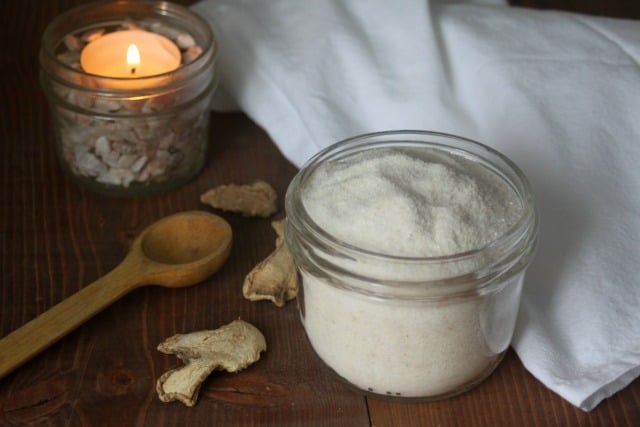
(558, 93)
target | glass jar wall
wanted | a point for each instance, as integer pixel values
(385, 317)
(135, 134)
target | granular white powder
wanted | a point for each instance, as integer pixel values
(409, 203)
(397, 203)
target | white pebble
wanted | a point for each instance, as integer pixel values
(90, 165)
(191, 54)
(155, 167)
(81, 100)
(71, 58)
(125, 176)
(107, 178)
(78, 137)
(139, 164)
(158, 103)
(122, 147)
(161, 29)
(130, 25)
(106, 105)
(116, 176)
(111, 159)
(72, 43)
(125, 161)
(102, 146)
(185, 41)
(92, 35)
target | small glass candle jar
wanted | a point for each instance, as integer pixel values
(386, 317)
(129, 123)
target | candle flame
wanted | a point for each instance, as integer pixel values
(133, 57)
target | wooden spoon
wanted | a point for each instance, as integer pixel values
(177, 251)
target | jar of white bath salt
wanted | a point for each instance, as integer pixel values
(412, 248)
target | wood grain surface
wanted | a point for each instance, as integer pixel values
(55, 238)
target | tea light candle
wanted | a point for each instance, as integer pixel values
(130, 54)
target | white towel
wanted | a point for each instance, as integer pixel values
(558, 93)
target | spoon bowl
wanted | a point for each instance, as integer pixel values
(177, 251)
(182, 249)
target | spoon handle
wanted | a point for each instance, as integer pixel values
(36, 335)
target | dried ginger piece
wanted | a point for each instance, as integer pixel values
(275, 278)
(231, 347)
(255, 199)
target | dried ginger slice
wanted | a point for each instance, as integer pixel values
(275, 278)
(231, 347)
(255, 199)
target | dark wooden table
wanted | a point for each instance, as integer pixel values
(56, 238)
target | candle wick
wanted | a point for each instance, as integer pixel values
(133, 70)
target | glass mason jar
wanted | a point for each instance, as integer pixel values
(129, 135)
(400, 326)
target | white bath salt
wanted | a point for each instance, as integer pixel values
(392, 347)
(399, 202)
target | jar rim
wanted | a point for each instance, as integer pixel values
(298, 215)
